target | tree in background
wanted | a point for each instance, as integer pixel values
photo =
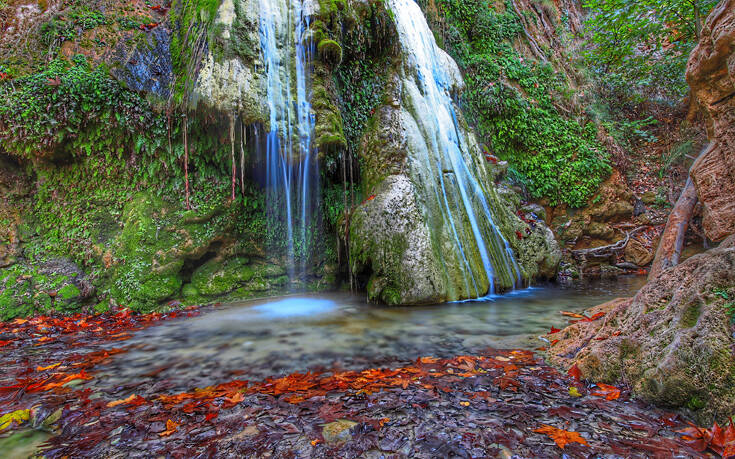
(641, 47)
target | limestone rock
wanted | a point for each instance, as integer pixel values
(711, 75)
(675, 342)
(389, 234)
(338, 431)
(638, 254)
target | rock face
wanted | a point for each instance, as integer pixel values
(435, 228)
(711, 75)
(676, 345)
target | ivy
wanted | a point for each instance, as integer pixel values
(511, 101)
(45, 110)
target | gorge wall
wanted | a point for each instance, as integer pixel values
(673, 342)
(144, 109)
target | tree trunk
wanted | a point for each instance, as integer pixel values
(672, 240)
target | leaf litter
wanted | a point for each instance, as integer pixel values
(463, 406)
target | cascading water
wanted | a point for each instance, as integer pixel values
(291, 164)
(458, 205)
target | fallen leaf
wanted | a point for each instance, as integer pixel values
(554, 330)
(121, 402)
(606, 391)
(18, 416)
(574, 392)
(572, 314)
(561, 437)
(574, 373)
(48, 367)
(171, 427)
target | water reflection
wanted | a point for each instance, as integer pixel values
(269, 337)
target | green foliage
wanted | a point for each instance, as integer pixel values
(360, 84)
(71, 24)
(642, 47)
(59, 101)
(724, 294)
(133, 22)
(512, 103)
(24, 291)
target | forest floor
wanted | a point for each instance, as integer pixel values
(495, 404)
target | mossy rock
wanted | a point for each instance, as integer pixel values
(189, 291)
(158, 241)
(25, 291)
(220, 277)
(330, 52)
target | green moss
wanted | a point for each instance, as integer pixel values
(695, 403)
(216, 278)
(330, 52)
(691, 315)
(68, 292)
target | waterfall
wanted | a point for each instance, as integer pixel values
(290, 162)
(458, 206)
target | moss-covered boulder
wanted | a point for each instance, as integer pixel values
(57, 286)
(156, 243)
(330, 52)
(672, 343)
(218, 277)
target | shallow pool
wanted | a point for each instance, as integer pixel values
(257, 339)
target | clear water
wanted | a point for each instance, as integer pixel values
(291, 166)
(258, 339)
(453, 178)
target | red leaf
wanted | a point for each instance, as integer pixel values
(574, 373)
(554, 330)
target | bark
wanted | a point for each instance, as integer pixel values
(672, 240)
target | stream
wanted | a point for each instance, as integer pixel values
(277, 336)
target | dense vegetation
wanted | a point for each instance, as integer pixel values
(513, 102)
(641, 48)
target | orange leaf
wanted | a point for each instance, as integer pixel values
(561, 437)
(50, 367)
(608, 392)
(572, 314)
(171, 427)
(121, 402)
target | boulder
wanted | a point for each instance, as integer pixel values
(711, 76)
(637, 253)
(672, 343)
